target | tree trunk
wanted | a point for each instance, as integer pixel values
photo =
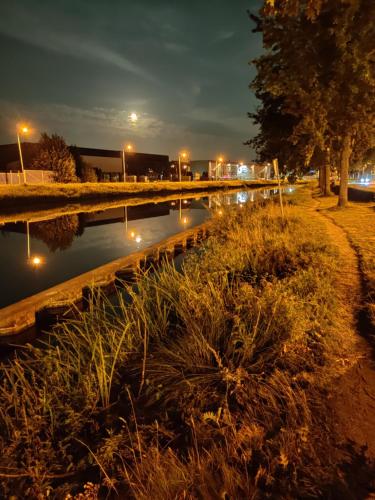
(321, 178)
(327, 174)
(344, 171)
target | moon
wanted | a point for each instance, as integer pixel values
(133, 117)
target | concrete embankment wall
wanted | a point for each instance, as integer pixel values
(59, 302)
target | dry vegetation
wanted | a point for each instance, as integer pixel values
(58, 193)
(209, 383)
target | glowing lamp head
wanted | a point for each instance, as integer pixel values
(220, 159)
(129, 147)
(185, 220)
(132, 234)
(138, 239)
(23, 129)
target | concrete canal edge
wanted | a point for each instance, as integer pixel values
(45, 308)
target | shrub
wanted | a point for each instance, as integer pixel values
(53, 154)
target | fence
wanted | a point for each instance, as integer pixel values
(31, 177)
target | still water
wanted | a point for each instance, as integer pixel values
(37, 255)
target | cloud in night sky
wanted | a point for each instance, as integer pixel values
(79, 67)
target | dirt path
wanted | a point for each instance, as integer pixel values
(353, 401)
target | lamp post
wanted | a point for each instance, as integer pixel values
(220, 160)
(184, 156)
(128, 148)
(21, 130)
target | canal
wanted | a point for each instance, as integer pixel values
(38, 254)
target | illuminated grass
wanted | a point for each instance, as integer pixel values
(204, 384)
(358, 221)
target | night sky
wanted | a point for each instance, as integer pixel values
(80, 67)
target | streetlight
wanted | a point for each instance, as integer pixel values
(129, 149)
(219, 161)
(182, 155)
(23, 129)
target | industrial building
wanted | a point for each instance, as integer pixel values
(109, 164)
(226, 170)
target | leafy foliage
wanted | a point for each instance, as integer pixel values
(53, 154)
(319, 55)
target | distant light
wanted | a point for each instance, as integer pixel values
(185, 220)
(132, 234)
(220, 212)
(185, 166)
(138, 239)
(220, 159)
(129, 147)
(133, 117)
(185, 202)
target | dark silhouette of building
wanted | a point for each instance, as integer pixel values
(107, 162)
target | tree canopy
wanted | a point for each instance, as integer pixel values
(319, 66)
(53, 154)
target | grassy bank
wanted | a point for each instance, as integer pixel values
(42, 194)
(209, 384)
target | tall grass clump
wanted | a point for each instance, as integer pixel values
(204, 383)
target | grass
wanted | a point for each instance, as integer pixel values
(11, 195)
(357, 220)
(205, 383)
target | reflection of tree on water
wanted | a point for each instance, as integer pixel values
(57, 234)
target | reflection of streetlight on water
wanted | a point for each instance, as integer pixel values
(33, 260)
(183, 220)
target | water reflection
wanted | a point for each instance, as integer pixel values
(66, 246)
(57, 234)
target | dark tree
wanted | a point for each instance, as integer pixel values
(53, 154)
(319, 61)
